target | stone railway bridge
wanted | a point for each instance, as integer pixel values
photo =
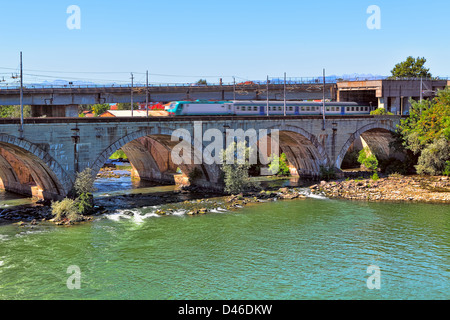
(44, 160)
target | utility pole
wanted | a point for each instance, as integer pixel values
(234, 88)
(323, 100)
(421, 89)
(285, 94)
(21, 97)
(132, 79)
(146, 93)
(267, 105)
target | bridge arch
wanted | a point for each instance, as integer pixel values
(150, 155)
(28, 169)
(376, 136)
(303, 150)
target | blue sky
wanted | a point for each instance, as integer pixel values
(182, 41)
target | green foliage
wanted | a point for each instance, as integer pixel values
(427, 121)
(202, 82)
(119, 154)
(411, 68)
(85, 203)
(14, 111)
(99, 109)
(279, 165)
(396, 175)
(84, 182)
(65, 209)
(426, 133)
(446, 171)
(380, 112)
(434, 158)
(375, 176)
(368, 160)
(236, 177)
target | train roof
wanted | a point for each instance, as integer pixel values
(263, 102)
(305, 103)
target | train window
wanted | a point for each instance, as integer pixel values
(279, 109)
(367, 108)
(328, 109)
(255, 108)
(303, 108)
(308, 108)
(237, 107)
(353, 108)
(291, 109)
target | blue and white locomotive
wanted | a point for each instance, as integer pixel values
(258, 108)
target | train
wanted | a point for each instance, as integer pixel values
(259, 108)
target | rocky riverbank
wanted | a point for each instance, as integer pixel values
(193, 201)
(392, 188)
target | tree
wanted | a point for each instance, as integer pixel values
(236, 176)
(84, 186)
(411, 68)
(202, 82)
(65, 210)
(426, 132)
(99, 109)
(14, 111)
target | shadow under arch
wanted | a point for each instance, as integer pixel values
(376, 136)
(150, 155)
(19, 158)
(303, 151)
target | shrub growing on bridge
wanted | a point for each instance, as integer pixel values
(236, 176)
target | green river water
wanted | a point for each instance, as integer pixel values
(303, 249)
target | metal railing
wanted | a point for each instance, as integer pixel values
(272, 81)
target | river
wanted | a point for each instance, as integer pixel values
(301, 249)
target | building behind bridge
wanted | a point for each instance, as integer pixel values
(393, 95)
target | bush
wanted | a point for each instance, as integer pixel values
(446, 171)
(84, 182)
(434, 158)
(375, 177)
(380, 112)
(235, 174)
(396, 175)
(85, 203)
(369, 161)
(279, 165)
(65, 210)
